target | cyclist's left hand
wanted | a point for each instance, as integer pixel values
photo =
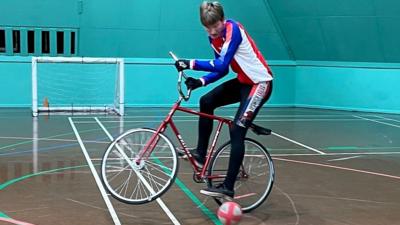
(193, 83)
(182, 64)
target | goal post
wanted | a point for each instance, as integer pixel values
(78, 84)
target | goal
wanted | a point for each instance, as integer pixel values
(77, 84)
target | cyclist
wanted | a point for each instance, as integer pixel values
(251, 88)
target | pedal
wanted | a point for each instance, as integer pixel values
(225, 198)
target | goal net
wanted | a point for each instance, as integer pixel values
(77, 84)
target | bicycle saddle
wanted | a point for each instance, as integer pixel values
(260, 130)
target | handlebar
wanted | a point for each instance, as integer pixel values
(180, 75)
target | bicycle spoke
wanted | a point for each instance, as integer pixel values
(153, 165)
(118, 174)
(255, 177)
(154, 176)
(138, 180)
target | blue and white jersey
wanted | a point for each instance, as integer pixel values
(237, 49)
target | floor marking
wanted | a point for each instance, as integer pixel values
(258, 116)
(95, 175)
(340, 153)
(346, 158)
(342, 148)
(384, 118)
(339, 167)
(298, 143)
(292, 203)
(58, 135)
(17, 222)
(27, 210)
(49, 139)
(159, 201)
(345, 199)
(376, 121)
(95, 207)
(195, 120)
(18, 179)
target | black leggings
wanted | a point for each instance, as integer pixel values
(230, 92)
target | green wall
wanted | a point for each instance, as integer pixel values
(141, 28)
(348, 86)
(152, 82)
(150, 29)
(338, 54)
(149, 82)
(340, 30)
(323, 30)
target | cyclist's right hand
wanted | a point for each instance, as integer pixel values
(193, 83)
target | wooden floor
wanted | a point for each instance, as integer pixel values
(332, 168)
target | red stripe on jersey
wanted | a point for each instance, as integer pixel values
(241, 75)
(228, 34)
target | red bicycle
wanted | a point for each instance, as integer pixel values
(141, 164)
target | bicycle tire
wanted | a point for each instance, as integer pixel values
(246, 194)
(143, 182)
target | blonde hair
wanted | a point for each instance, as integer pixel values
(211, 12)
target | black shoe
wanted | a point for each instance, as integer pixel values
(196, 156)
(198, 160)
(181, 153)
(219, 191)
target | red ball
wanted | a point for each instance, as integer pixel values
(229, 213)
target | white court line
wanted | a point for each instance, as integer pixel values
(388, 119)
(159, 201)
(114, 215)
(134, 121)
(50, 139)
(346, 158)
(376, 121)
(298, 143)
(339, 167)
(95, 207)
(315, 154)
(258, 116)
(219, 114)
(336, 154)
(349, 148)
(262, 120)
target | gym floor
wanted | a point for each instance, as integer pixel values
(332, 167)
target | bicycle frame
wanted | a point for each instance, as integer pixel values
(149, 181)
(200, 173)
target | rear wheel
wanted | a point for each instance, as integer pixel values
(255, 178)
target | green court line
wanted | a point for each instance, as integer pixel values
(3, 215)
(181, 185)
(192, 196)
(10, 182)
(197, 201)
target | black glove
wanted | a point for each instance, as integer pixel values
(192, 83)
(182, 64)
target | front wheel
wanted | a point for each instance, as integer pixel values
(256, 175)
(136, 178)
